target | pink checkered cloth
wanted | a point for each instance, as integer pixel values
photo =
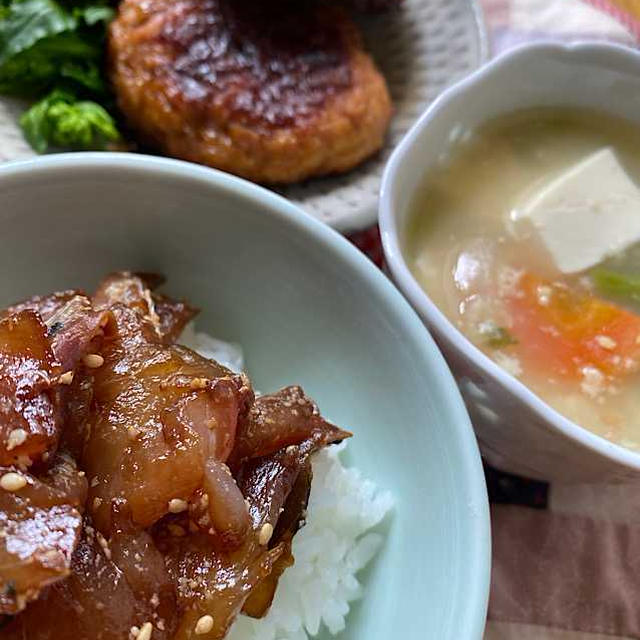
(566, 559)
(512, 22)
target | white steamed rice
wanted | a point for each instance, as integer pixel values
(334, 545)
(227, 354)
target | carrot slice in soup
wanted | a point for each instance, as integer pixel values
(560, 331)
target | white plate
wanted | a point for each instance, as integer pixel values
(421, 49)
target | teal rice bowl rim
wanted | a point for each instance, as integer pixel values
(472, 526)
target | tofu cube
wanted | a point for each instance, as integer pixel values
(587, 214)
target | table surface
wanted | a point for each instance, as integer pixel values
(566, 559)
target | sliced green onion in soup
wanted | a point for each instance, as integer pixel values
(616, 284)
(494, 335)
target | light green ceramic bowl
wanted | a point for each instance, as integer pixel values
(308, 308)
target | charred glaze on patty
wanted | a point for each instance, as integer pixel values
(274, 93)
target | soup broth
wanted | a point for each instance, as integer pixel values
(573, 339)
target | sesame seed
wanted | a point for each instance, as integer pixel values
(177, 505)
(199, 383)
(133, 433)
(145, 631)
(204, 625)
(265, 534)
(134, 631)
(93, 360)
(66, 378)
(13, 481)
(104, 545)
(97, 503)
(16, 438)
(606, 342)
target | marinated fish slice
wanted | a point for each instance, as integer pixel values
(173, 317)
(292, 518)
(267, 482)
(160, 412)
(76, 330)
(212, 584)
(135, 554)
(287, 422)
(226, 507)
(30, 413)
(116, 588)
(167, 316)
(78, 399)
(280, 419)
(273, 487)
(46, 306)
(124, 287)
(277, 486)
(40, 523)
(72, 323)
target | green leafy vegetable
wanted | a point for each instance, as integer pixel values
(616, 284)
(60, 120)
(495, 336)
(44, 44)
(53, 50)
(29, 21)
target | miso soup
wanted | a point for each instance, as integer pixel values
(527, 236)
